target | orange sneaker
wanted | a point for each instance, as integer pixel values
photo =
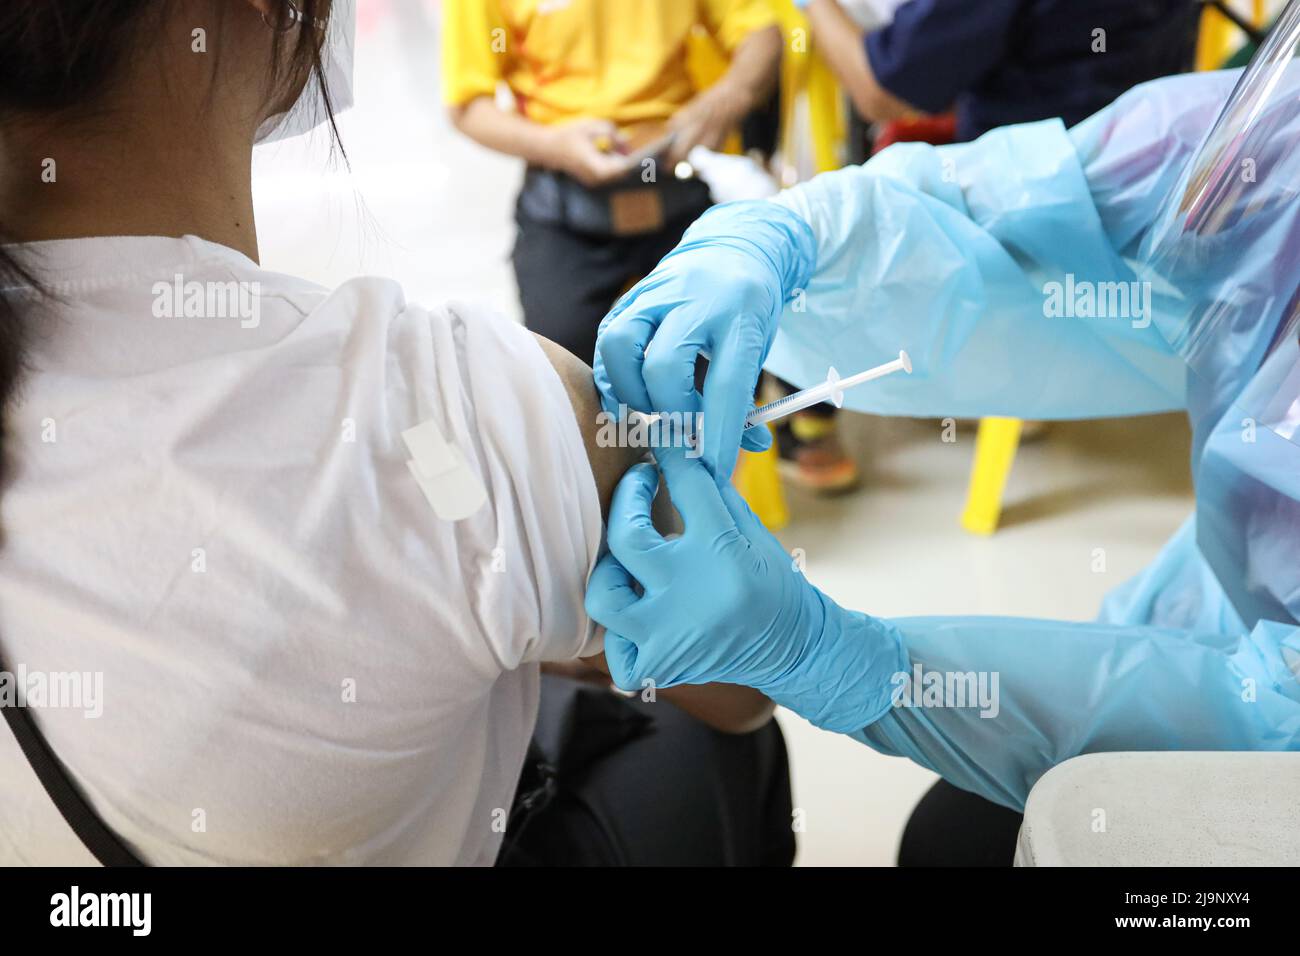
(813, 458)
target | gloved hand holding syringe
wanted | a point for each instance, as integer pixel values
(832, 390)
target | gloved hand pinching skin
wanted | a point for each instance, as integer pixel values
(720, 291)
(725, 603)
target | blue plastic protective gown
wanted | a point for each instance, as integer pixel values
(980, 259)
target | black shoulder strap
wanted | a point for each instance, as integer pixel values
(54, 777)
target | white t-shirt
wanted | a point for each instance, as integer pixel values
(301, 663)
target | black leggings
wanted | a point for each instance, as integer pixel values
(674, 792)
(952, 827)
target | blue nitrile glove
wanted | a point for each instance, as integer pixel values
(720, 291)
(725, 603)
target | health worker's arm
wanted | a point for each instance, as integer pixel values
(1003, 266)
(1000, 701)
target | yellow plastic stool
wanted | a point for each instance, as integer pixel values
(759, 483)
(995, 450)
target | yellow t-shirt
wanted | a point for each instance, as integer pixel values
(620, 60)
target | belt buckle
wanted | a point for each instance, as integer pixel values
(634, 212)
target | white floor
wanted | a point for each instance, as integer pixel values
(423, 205)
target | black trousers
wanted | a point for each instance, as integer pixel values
(628, 783)
(953, 827)
(568, 280)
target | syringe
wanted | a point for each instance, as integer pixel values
(832, 390)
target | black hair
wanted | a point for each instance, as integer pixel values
(58, 56)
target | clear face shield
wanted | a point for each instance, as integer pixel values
(1223, 257)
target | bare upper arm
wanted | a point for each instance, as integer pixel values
(840, 41)
(608, 463)
(726, 707)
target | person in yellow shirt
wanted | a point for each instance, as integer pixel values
(604, 109)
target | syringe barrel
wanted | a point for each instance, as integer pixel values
(788, 405)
